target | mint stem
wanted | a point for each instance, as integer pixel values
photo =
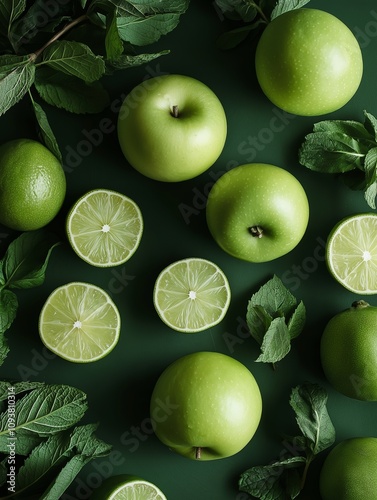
(58, 35)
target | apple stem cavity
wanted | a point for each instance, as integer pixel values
(198, 453)
(256, 231)
(175, 111)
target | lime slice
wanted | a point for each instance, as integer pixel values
(126, 487)
(191, 295)
(351, 253)
(104, 227)
(79, 322)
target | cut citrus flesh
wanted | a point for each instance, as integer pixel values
(192, 295)
(351, 253)
(104, 227)
(137, 489)
(79, 322)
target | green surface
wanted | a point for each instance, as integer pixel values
(120, 385)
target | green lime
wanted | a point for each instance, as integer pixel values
(349, 471)
(79, 322)
(127, 487)
(191, 295)
(104, 227)
(349, 351)
(351, 253)
(32, 185)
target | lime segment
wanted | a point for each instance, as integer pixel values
(104, 228)
(192, 295)
(79, 322)
(351, 253)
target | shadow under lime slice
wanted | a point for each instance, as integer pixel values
(79, 322)
(351, 253)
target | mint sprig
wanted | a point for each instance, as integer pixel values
(286, 477)
(24, 266)
(59, 53)
(250, 17)
(346, 148)
(274, 318)
(51, 448)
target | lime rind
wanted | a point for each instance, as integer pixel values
(351, 253)
(104, 228)
(192, 295)
(79, 322)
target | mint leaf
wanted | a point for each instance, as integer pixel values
(287, 5)
(131, 60)
(16, 388)
(113, 42)
(309, 403)
(279, 480)
(70, 93)
(45, 131)
(370, 168)
(15, 80)
(230, 39)
(239, 9)
(46, 410)
(74, 59)
(10, 10)
(25, 261)
(276, 342)
(285, 478)
(297, 321)
(370, 124)
(8, 309)
(274, 319)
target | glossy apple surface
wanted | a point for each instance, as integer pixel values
(257, 212)
(172, 128)
(308, 62)
(206, 406)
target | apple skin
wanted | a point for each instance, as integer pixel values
(168, 148)
(257, 195)
(308, 62)
(213, 405)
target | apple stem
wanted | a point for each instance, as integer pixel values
(175, 111)
(256, 231)
(198, 452)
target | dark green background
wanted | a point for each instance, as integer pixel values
(120, 385)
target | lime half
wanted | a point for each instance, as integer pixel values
(127, 487)
(79, 322)
(191, 295)
(104, 227)
(351, 253)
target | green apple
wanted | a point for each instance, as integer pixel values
(206, 406)
(257, 212)
(308, 62)
(172, 128)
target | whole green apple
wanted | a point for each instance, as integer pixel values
(308, 62)
(206, 406)
(257, 212)
(172, 128)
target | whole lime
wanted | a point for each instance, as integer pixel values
(32, 185)
(349, 471)
(348, 351)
